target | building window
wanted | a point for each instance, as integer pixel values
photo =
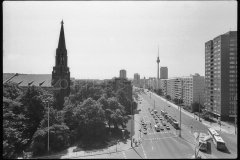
(232, 44)
(232, 39)
(232, 80)
(232, 57)
(232, 49)
(232, 62)
(231, 53)
(232, 66)
(232, 71)
(232, 75)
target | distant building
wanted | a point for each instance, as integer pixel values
(136, 80)
(221, 75)
(123, 74)
(121, 83)
(193, 87)
(163, 86)
(163, 73)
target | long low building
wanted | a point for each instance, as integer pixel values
(26, 80)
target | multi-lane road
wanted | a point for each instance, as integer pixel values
(168, 143)
(149, 99)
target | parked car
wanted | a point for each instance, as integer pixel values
(161, 127)
(152, 113)
(167, 127)
(164, 123)
(145, 131)
(157, 128)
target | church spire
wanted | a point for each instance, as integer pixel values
(61, 42)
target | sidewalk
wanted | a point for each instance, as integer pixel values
(121, 146)
(225, 127)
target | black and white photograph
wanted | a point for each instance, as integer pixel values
(120, 79)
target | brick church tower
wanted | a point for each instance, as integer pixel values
(60, 73)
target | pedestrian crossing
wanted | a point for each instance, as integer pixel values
(153, 139)
(160, 132)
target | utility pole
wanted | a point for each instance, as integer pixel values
(154, 104)
(199, 107)
(235, 110)
(180, 121)
(48, 127)
(131, 123)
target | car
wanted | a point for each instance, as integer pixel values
(156, 119)
(160, 118)
(157, 128)
(164, 123)
(152, 113)
(161, 127)
(167, 127)
(145, 131)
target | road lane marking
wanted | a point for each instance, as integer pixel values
(124, 155)
(144, 152)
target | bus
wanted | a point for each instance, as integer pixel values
(217, 139)
(201, 142)
(218, 142)
(174, 123)
(212, 132)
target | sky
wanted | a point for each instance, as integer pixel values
(103, 37)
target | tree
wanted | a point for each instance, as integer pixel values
(122, 98)
(195, 107)
(168, 97)
(11, 91)
(34, 107)
(91, 120)
(58, 139)
(115, 113)
(13, 127)
(177, 101)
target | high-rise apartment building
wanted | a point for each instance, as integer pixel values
(221, 75)
(163, 73)
(123, 74)
(193, 89)
(163, 86)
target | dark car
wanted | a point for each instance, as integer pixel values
(145, 131)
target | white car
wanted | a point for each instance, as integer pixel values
(167, 126)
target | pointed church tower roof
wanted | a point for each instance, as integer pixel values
(61, 42)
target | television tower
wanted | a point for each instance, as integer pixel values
(158, 61)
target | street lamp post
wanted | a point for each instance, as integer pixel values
(131, 123)
(123, 134)
(180, 121)
(235, 110)
(48, 123)
(154, 104)
(198, 106)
